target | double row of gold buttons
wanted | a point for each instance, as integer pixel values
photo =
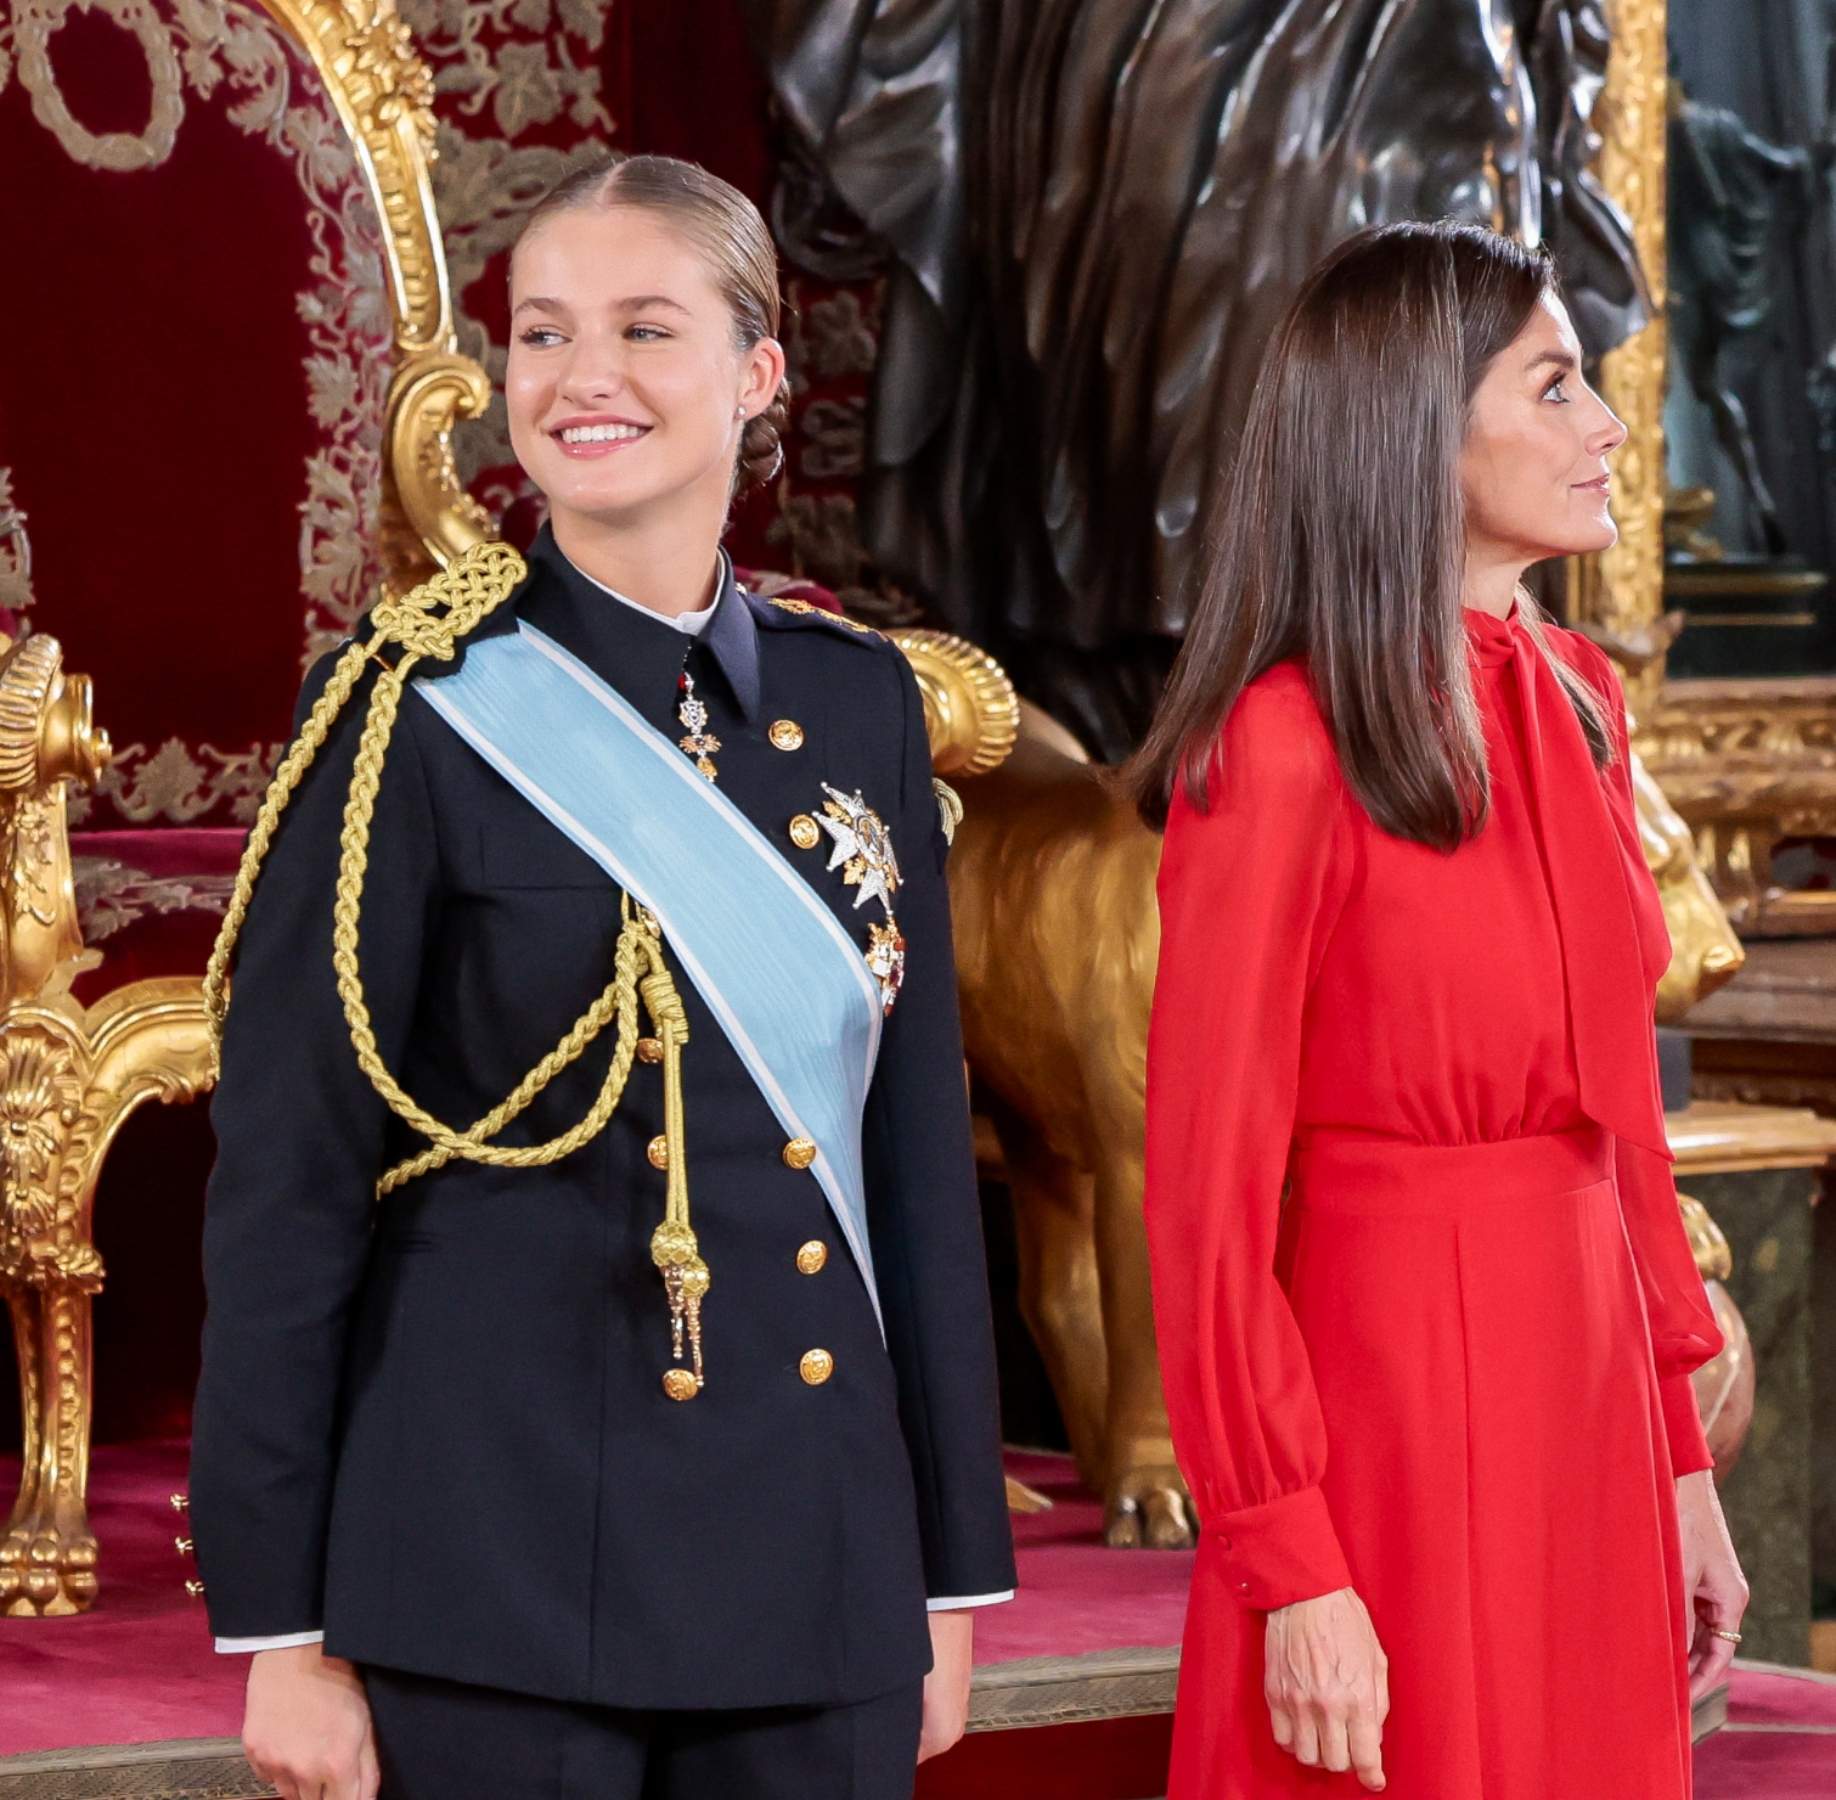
(815, 1366)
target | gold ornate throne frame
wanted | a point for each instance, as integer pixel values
(71, 1074)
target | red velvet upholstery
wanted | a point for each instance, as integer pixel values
(191, 399)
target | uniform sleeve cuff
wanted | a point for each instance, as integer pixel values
(243, 1646)
(961, 1604)
(1689, 1451)
(1277, 1553)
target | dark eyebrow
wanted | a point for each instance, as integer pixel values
(633, 303)
(1557, 358)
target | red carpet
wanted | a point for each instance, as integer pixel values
(1780, 1742)
(1064, 1568)
(140, 1668)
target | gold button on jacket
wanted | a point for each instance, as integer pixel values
(658, 1153)
(817, 1366)
(650, 1050)
(812, 1256)
(787, 734)
(805, 833)
(799, 1153)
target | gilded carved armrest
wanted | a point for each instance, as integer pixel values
(69, 1076)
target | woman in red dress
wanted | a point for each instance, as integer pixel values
(1460, 1535)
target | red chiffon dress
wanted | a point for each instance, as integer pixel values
(1451, 1369)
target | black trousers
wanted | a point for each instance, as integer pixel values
(443, 1740)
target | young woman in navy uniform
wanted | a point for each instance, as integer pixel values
(528, 1480)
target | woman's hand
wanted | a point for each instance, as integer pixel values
(1714, 1590)
(1327, 1682)
(946, 1688)
(306, 1726)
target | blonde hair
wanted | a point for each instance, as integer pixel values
(725, 227)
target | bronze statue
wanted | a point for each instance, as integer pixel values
(1094, 212)
(1733, 195)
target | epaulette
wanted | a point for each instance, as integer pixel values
(805, 609)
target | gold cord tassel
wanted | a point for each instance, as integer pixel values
(673, 1247)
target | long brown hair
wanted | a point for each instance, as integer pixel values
(726, 229)
(1342, 536)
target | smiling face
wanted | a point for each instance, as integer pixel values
(626, 391)
(1533, 468)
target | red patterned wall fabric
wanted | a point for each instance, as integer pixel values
(191, 385)
(528, 91)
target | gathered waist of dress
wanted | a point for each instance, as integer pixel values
(1357, 1172)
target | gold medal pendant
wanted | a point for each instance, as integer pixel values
(699, 743)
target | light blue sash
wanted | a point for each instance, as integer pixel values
(788, 985)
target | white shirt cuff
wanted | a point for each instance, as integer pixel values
(966, 1601)
(241, 1646)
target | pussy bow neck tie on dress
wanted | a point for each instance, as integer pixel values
(1610, 1000)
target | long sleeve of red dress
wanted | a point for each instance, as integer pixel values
(1249, 892)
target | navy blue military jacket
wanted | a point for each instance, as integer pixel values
(434, 1425)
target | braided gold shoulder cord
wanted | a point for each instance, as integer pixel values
(474, 586)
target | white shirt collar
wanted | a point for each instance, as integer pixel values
(690, 624)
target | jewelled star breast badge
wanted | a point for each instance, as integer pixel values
(864, 853)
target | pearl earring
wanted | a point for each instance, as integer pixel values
(739, 412)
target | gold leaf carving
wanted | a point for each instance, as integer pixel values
(1623, 589)
(40, 1101)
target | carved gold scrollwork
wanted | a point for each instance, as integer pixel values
(1746, 763)
(383, 92)
(69, 1076)
(971, 711)
(431, 392)
(1622, 589)
(47, 737)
